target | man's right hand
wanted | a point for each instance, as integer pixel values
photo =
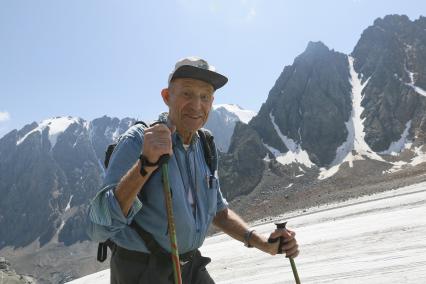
(157, 142)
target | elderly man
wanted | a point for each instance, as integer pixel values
(130, 210)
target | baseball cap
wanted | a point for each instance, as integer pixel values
(198, 68)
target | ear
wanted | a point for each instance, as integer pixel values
(166, 95)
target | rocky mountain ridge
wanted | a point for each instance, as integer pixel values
(328, 109)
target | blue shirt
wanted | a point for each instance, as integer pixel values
(187, 171)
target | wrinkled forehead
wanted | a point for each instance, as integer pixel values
(189, 83)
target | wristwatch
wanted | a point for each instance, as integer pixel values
(145, 163)
(247, 236)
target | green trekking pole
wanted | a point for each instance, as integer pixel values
(170, 219)
(281, 226)
(163, 162)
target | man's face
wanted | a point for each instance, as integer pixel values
(189, 102)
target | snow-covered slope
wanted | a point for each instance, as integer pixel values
(222, 120)
(295, 153)
(55, 127)
(340, 243)
(242, 114)
(355, 147)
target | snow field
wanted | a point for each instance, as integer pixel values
(380, 240)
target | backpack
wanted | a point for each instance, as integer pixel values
(209, 148)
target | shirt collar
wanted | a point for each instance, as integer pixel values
(177, 139)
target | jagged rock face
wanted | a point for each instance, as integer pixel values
(45, 171)
(242, 167)
(392, 55)
(30, 184)
(309, 102)
(105, 130)
(336, 108)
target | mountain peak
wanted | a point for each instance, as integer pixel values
(392, 20)
(316, 46)
(56, 126)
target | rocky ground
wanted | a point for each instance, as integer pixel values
(55, 263)
(274, 195)
(9, 276)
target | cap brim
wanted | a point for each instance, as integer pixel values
(187, 71)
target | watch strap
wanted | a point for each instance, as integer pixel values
(145, 163)
(247, 236)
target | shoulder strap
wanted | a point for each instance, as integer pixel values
(209, 147)
(150, 242)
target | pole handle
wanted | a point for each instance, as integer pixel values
(282, 226)
(280, 239)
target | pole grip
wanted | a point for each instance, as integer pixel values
(282, 226)
(280, 239)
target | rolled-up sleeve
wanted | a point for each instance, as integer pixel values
(221, 201)
(105, 215)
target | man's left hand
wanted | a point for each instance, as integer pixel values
(289, 246)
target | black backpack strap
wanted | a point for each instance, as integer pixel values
(103, 249)
(209, 147)
(150, 243)
(108, 154)
(141, 122)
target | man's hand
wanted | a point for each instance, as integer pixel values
(289, 247)
(157, 142)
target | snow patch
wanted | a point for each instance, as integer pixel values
(403, 143)
(418, 90)
(355, 147)
(112, 132)
(101, 277)
(61, 226)
(274, 151)
(244, 115)
(69, 203)
(420, 157)
(295, 153)
(411, 84)
(266, 158)
(56, 126)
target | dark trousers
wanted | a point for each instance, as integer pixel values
(130, 267)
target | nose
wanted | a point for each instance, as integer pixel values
(195, 102)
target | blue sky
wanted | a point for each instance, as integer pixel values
(88, 58)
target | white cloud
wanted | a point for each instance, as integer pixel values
(4, 116)
(251, 14)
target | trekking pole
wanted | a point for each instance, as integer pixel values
(281, 226)
(170, 219)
